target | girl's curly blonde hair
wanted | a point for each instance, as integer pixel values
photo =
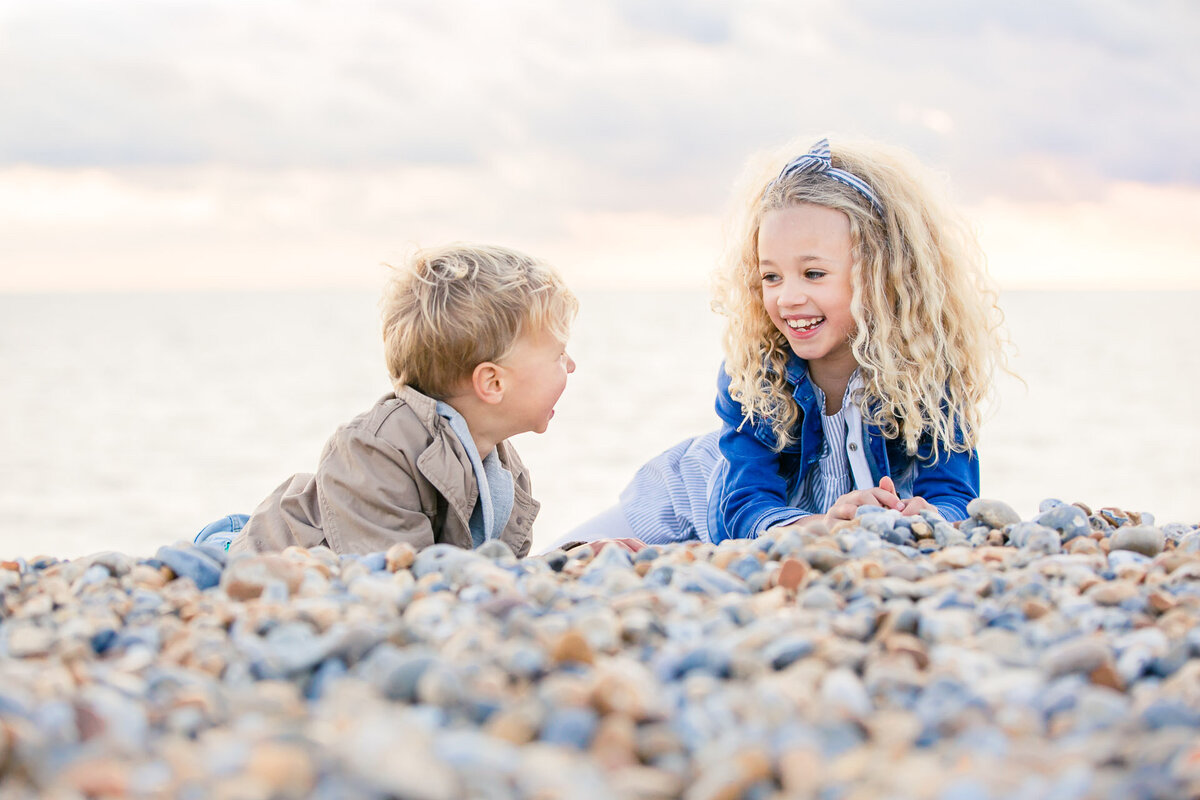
(927, 340)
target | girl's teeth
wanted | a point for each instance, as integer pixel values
(803, 324)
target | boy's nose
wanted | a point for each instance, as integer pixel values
(570, 364)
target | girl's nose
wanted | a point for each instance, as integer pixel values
(792, 297)
(570, 365)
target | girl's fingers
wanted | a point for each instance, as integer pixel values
(887, 484)
(885, 498)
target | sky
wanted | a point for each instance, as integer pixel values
(214, 144)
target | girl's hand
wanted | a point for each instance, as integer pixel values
(883, 495)
(915, 505)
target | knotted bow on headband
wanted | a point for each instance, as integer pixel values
(818, 160)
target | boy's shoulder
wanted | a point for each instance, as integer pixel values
(404, 419)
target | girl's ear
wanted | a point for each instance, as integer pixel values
(487, 380)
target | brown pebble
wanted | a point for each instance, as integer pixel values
(98, 777)
(514, 725)
(1111, 593)
(953, 558)
(1083, 545)
(286, 769)
(1106, 675)
(400, 556)
(615, 742)
(911, 646)
(801, 771)
(873, 569)
(572, 646)
(12, 566)
(792, 573)
(1173, 560)
(724, 557)
(245, 578)
(1161, 601)
(1034, 608)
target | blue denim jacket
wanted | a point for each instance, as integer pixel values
(752, 490)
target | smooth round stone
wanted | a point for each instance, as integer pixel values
(496, 550)
(993, 513)
(820, 598)
(784, 652)
(572, 727)
(191, 562)
(824, 559)
(1042, 540)
(1082, 654)
(1169, 712)
(444, 558)
(1019, 533)
(1069, 521)
(1142, 539)
(946, 535)
(843, 692)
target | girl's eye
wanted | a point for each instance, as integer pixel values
(813, 274)
(769, 277)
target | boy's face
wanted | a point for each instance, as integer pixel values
(537, 369)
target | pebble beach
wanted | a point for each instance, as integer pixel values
(888, 656)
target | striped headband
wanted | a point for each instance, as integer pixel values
(818, 160)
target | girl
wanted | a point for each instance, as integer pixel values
(861, 340)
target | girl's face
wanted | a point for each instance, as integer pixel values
(804, 260)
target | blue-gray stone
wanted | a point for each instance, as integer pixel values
(706, 579)
(745, 567)
(1042, 540)
(785, 651)
(1169, 712)
(193, 563)
(444, 558)
(1019, 534)
(326, 673)
(1124, 558)
(1069, 521)
(557, 559)
(646, 554)
(496, 550)
(396, 672)
(102, 640)
(572, 727)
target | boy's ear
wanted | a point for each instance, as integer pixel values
(487, 380)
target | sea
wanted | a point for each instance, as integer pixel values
(129, 421)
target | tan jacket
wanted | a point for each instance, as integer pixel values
(396, 473)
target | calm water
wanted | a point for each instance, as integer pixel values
(129, 421)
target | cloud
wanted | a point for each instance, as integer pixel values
(291, 130)
(661, 90)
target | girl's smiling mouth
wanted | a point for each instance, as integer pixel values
(804, 325)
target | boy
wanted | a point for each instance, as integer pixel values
(474, 340)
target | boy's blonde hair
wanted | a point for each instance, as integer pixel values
(927, 339)
(451, 308)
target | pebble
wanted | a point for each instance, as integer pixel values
(1055, 656)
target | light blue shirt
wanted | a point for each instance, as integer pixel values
(495, 503)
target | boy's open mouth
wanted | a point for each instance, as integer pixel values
(804, 324)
